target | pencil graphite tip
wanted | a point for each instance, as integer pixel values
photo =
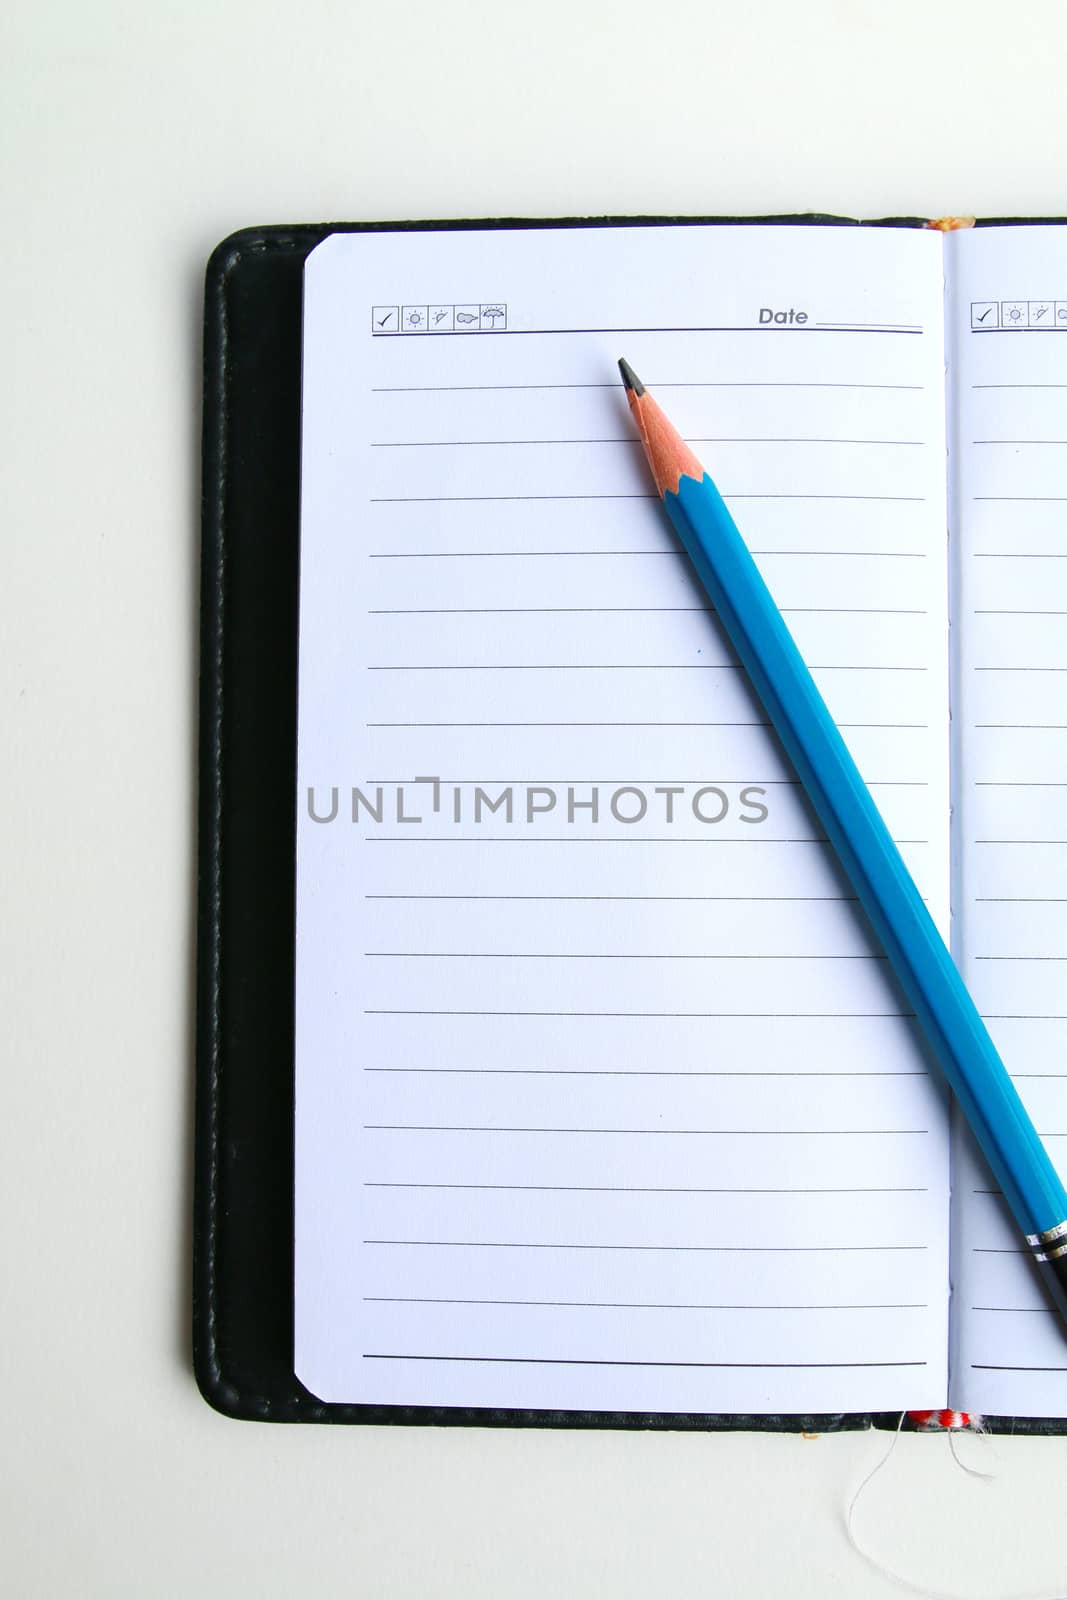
(669, 457)
(630, 378)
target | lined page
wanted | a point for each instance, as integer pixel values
(1011, 612)
(613, 1108)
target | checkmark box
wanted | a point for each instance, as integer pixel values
(384, 319)
(984, 315)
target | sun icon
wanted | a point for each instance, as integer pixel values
(1015, 314)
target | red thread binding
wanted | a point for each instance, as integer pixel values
(941, 1421)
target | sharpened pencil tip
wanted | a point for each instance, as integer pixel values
(630, 378)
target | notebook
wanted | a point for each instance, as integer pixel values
(604, 1102)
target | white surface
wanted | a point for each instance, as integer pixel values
(1010, 521)
(678, 1264)
(136, 137)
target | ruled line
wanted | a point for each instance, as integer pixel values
(625, 898)
(494, 388)
(558, 611)
(741, 724)
(750, 783)
(635, 1305)
(904, 726)
(595, 1188)
(654, 666)
(717, 327)
(641, 955)
(1019, 958)
(675, 555)
(566, 1361)
(1041, 1311)
(876, 327)
(616, 1072)
(731, 1133)
(457, 555)
(980, 1366)
(668, 1249)
(699, 1016)
(629, 441)
(610, 839)
(448, 838)
(464, 499)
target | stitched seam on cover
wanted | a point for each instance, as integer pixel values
(216, 838)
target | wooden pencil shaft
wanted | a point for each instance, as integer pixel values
(957, 1035)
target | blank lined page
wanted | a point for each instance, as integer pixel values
(1011, 611)
(605, 1098)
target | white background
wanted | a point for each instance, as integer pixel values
(136, 136)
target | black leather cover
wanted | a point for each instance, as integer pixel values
(243, 1224)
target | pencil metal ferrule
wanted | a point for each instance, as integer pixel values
(1050, 1245)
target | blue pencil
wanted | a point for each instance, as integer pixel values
(958, 1037)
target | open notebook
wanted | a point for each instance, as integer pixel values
(605, 1097)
